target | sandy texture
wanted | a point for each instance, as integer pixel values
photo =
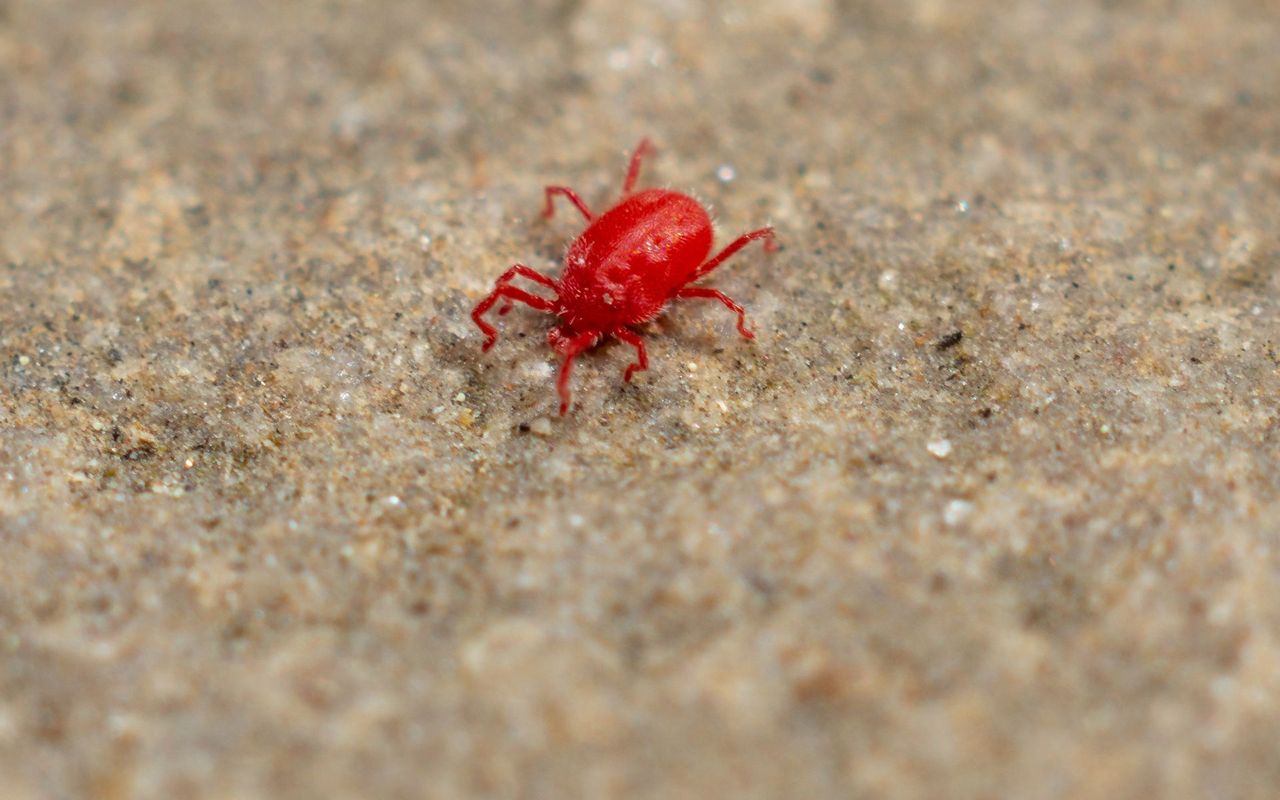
(991, 507)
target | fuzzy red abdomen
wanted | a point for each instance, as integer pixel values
(629, 261)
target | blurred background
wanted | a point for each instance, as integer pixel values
(988, 509)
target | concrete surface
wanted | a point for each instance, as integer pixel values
(990, 508)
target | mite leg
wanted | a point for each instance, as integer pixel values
(572, 349)
(571, 195)
(690, 292)
(734, 246)
(527, 272)
(642, 358)
(633, 171)
(510, 293)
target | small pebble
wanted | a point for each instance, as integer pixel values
(540, 426)
(23, 361)
(940, 448)
(957, 511)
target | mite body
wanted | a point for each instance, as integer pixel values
(623, 270)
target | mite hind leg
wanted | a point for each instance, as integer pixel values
(698, 292)
(633, 169)
(549, 209)
(742, 241)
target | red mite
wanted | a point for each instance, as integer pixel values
(628, 264)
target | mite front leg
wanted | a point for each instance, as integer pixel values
(511, 293)
(642, 358)
(734, 246)
(572, 348)
(691, 292)
(526, 272)
(569, 194)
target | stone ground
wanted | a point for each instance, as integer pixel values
(990, 508)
